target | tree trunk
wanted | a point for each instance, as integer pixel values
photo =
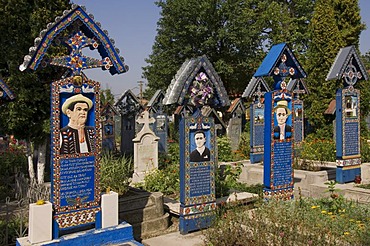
(41, 162)
(31, 171)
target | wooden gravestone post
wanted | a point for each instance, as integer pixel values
(6, 95)
(255, 91)
(197, 85)
(235, 126)
(279, 63)
(160, 126)
(349, 69)
(298, 87)
(76, 198)
(108, 113)
(129, 107)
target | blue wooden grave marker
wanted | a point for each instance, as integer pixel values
(160, 126)
(197, 174)
(129, 107)
(236, 122)
(6, 95)
(75, 125)
(298, 87)
(255, 91)
(108, 113)
(279, 63)
(349, 68)
(197, 85)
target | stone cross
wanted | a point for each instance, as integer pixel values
(146, 120)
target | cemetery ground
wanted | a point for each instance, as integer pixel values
(322, 212)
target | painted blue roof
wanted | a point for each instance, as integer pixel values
(270, 60)
(273, 60)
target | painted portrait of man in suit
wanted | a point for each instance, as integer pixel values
(282, 130)
(201, 152)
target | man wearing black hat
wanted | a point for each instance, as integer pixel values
(76, 137)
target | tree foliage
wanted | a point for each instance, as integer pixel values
(328, 33)
(28, 117)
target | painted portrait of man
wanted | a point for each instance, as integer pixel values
(282, 130)
(76, 137)
(201, 152)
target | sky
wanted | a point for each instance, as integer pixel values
(132, 24)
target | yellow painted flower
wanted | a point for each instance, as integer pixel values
(323, 211)
(351, 220)
(333, 216)
(346, 233)
(330, 213)
(313, 207)
(40, 202)
(358, 221)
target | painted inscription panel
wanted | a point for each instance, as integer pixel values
(75, 154)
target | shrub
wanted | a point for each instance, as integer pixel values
(116, 172)
(244, 146)
(224, 149)
(14, 228)
(167, 178)
(297, 222)
(12, 161)
(312, 150)
(365, 150)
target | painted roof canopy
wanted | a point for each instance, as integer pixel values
(84, 32)
(348, 65)
(280, 63)
(196, 79)
(256, 85)
(297, 86)
(128, 104)
(156, 102)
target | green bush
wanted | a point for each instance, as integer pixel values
(297, 222)
(244, 146)
(116, 172)
(166, 181)
(224, 149)
(16, 228)
(365, 150)
(12, 161)
(167, 178)
(312, 153)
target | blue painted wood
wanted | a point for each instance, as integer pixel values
(272, 60)
(347, 174)
(160, 128)
(197, 178)
(338, 124)
(256, 132)
(121, 234)
(347, 134)
(278, 154)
